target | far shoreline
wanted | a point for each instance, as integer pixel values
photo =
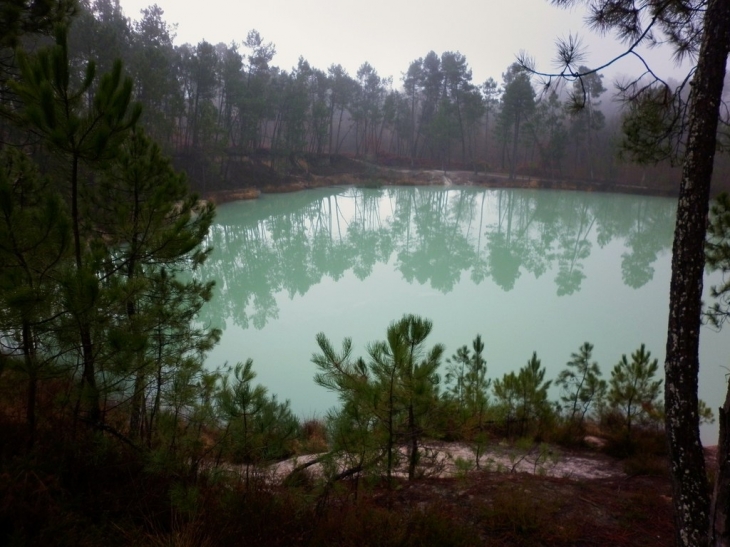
(392, 177)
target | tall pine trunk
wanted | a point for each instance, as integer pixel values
(689, 480)
(30, 364)
(89, 390)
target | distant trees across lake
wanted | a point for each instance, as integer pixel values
(231, 117)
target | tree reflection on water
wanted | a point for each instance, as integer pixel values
(430, 235)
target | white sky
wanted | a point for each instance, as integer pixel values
(389, 34)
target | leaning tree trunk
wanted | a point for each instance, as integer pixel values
(689, 481)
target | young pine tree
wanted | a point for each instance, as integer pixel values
(258, 427)
(633, 390)
(522, 397)
(355, 430)
(391, 397)
(582, 387)
(150, 222)
(415, 377)
(468, 385)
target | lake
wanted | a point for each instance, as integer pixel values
(529, 270)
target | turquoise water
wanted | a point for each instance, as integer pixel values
(529, 270)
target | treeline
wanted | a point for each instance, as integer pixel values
(231, 117)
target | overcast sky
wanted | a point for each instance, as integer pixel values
(389, 34)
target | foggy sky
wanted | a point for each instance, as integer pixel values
(389, 34)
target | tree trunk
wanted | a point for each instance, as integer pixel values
(515, 140)
(413, 456)
(30, 364)
(486, 141)
(135, 417)
(689, 481)
(139, 381)
(88, 375)
(720, 510)
(391, 426)
(154, 412)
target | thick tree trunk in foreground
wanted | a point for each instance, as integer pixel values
(689, 480)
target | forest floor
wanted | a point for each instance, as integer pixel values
(550, 496)
(455, 459)
(524, 509)
(538, 495)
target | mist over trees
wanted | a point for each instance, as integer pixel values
(230, 117)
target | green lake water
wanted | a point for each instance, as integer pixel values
(529, 270)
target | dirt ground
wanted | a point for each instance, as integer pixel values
(447, 460)
(536, 496)
(524, 509)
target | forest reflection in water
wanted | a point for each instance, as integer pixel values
(528, 269)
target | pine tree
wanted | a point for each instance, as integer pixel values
(150, 222)
(35, 241)
(522, 397)
(581, 385)
(354, 429)
(633, 389)
(388, 398)
(518, 103)
(81, 131)
(258, 425)
(135, 229)
(468, 384)
(410, 377)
